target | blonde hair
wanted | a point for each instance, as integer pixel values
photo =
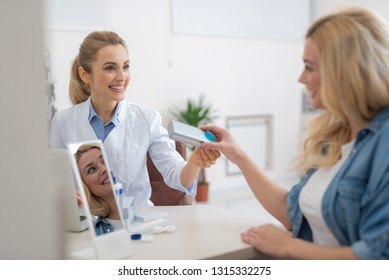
(353, 51)
(97, 206)
(78, 90)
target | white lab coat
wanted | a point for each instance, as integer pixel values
(139, 131)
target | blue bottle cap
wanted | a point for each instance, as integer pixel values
(210, 136)
(136, 236)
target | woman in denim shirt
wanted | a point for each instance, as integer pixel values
(340, 208)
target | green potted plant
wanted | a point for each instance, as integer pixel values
(196, 113)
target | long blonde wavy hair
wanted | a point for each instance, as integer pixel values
(78, 90)
(97, 206)
(353, 51)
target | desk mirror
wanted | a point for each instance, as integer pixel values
(94, 179)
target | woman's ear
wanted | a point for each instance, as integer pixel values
(83, 75)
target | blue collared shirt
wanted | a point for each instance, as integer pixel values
(102, 130)
(102, 226)
(356, 204)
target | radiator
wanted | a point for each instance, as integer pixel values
(254, 135)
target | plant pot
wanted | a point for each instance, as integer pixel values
(202, 192)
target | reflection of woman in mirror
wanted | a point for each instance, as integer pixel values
(100, 76)
(98, 188)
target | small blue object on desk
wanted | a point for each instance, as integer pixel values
(136, 236)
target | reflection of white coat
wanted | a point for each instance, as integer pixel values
(139, 131)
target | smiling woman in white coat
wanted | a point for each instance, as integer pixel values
(99, 79)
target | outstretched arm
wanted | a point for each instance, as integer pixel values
(200, 158)
(269, 194)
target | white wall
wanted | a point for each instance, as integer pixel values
(239, 76)
(28, 220)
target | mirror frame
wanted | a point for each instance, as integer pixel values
(112, 245)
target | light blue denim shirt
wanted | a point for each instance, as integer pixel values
(102, 226)
(356, 204)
